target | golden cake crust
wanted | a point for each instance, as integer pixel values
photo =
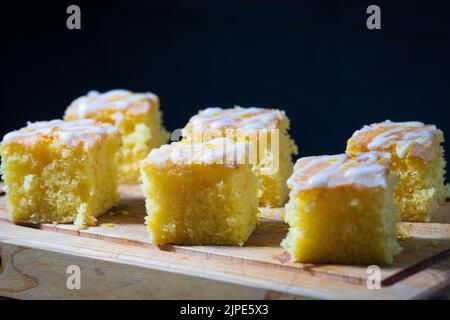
(369, 169)
(101, 105)
(402, 139)
(85, 132)
(215, 151)
(237, 118)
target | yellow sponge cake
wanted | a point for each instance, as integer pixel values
(265, 130)
(417, 157)
(200, 193)
(60, 171)
(136, 116)
(342, 210)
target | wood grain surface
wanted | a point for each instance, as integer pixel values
(118, 261)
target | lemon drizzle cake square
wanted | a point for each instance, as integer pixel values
(60, 171)
(137, 117)
(342, 210)
(417, 157)
(200, 193)
(266, 132)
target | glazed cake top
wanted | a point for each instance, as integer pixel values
(114, 100)
(368, 169)
(215, 151)
(402, 138)
(237, 118)
(72, 133)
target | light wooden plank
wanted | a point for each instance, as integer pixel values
(34, 263)
(263, 246)
(262, 256)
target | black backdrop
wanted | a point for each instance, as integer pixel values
(314, 59)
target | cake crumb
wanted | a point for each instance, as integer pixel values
(402, 234)
(108, 225)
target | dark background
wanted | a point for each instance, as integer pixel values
(314, 59)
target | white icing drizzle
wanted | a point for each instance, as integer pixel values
(321, 178)
(118, 99)
(384, 138)
(219, 151)
(68, 132)
(403, 134)
(243, 118)
(367, 169)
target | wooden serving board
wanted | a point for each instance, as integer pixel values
(116, 260)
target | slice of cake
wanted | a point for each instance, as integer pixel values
(265, 130)
(60, 171)
(137, 117)
(342, 210)
(200, 193)
(417, 157)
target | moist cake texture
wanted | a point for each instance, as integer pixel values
(200, 193)
(60, 171)
(342, 210)
(266, 133)
(417, 157)
(137, 117)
